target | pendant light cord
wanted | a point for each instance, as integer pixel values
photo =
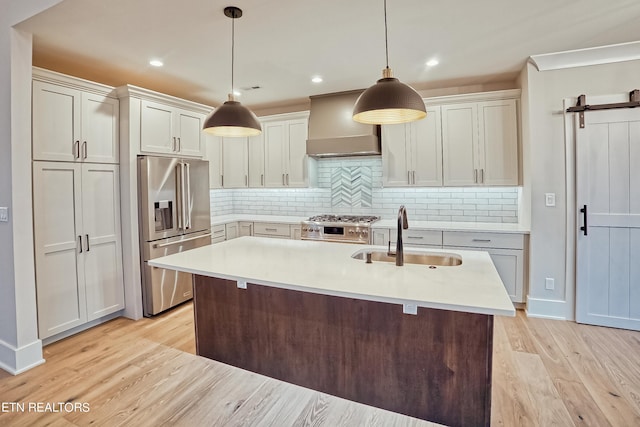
(386, 36)
(233, 43)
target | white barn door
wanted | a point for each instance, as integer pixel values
(608, 248)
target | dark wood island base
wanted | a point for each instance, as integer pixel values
(435, 365)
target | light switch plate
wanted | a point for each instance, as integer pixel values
(4, 214)
(550, 199)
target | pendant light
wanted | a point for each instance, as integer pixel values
(389, 101)
(232, 118)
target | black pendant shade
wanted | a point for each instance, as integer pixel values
(232, 119)
(389, 101)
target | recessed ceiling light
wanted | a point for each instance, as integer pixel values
(432, 63)
(317, 79)
(156, 63)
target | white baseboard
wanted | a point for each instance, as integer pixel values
(17, 360)
(546, 308)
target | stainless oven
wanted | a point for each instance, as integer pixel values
(338, 228)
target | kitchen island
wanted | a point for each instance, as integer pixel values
(308, 313)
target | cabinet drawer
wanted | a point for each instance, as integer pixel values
(271, 229)
(483, 240)
(417, 237)
(218, 231)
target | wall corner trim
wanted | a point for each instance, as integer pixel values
(18, 360)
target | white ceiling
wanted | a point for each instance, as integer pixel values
(281, 44)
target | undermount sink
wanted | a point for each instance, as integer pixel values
(423, 258)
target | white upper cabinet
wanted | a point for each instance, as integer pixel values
(213, 153)
(235, 162)
(412, 152)
(285, 153)
(71, 124)
(480, 143)
(256, 161)
(165, 129)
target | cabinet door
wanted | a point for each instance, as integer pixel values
(245, 228)
(274, 148)
(189, 133)
(156, 128)
(498, 144)
(395, 155)
(57, 221)
(295, 232)
(55, 122)
(380, 236)
(459, 144)
(99, 129)
(509, 264)
(213, 153)
(426, 150)
(234, 162)
(231, 230)
(296, 171)
(102, 254)
(256, 161)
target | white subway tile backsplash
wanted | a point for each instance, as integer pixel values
(481, 204)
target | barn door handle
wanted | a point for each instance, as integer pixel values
(584, 217)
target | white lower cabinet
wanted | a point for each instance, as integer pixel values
(78, 246)
(295, 232)
(507, 251)
(245, 228)
(218, 233)
(379, 236)
(417, 238)
(231, 230)
(268, 229)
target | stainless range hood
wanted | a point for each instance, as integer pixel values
(332, 131)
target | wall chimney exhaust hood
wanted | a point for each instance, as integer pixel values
(334, 133)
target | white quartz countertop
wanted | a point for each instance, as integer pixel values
(327, 268)
(224, 219)
(384, 223)
(497, 227)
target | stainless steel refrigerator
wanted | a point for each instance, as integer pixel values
(174, 216)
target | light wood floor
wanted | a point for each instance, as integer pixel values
(145, 374)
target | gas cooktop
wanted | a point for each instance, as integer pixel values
(346, 219)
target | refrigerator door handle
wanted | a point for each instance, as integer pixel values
(188, 196)
(179, 196)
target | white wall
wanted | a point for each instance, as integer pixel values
(545, 153)
(20, 347)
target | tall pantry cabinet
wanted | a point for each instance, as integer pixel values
(76, 202)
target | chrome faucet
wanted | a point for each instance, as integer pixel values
(402, 224)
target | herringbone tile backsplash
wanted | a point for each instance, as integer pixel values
(354, 186)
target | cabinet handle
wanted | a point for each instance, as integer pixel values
(88, 248)
(76, 150)
(481, 240)
(179, 144)
(222, 180)
(408, 177)
(482, 175)
(415, 237)
(262, 179)
(173, 148)
(287, 179)
(84, 150)
(270, 229)
(413, 174)
(80, 239)
(283, 183)
(475, 176)
(246, 180)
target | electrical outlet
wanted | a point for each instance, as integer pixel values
(409, 308)
(242, 284)
(550, 199)
(4, 214)
(549, 283)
